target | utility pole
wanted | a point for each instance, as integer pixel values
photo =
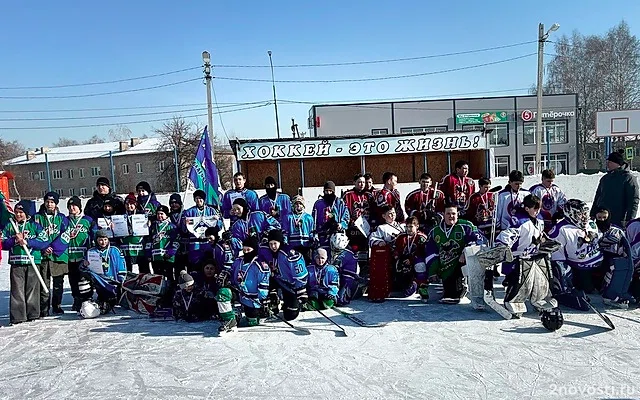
(275, 101)
(542, 37)
(206, 58)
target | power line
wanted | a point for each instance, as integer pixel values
(215, 99)
(100, 116)
(129, 122)
(99, 83)
(392, 60)
(382, 78)
(100, 94)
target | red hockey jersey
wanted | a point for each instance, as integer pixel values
(458, 190)
(358, 204)
(386, 197)
(417, 202)
(412, 248)
(479, 210)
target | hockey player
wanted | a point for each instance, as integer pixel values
(298, 229)
(195, 222)
(480, 208)
(633, 236)
(104, 220)
(330, 214)
(551, 196)
(387, 196)
(368, 184)
(55, 258)
(80, 232)
(164, 241)
(409, 251)
(175, 215)
(275, 203)
(24, 302)
(578, 257)
(221, 251)
(187, 305)
(207, 285)
(323, 283)
(458, 186)
(250, 279)
(425, 203)
(239, 191)
(147, 201)
(347, 264)
(387, 232)
(132, 246)
(445, 252)
(358, 202)
(510, 199)
(251, 223)
(288, 276)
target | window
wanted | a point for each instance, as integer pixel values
(593, 155)
(41, 175)
(499, 135)
(95, 171)
(125, 169)
(83, 191)
(70, 172)
(636, 151)
(559, 163)
(383, 131)
(556, 130)
(161, 166)
(43, 193)
(81, 172)
(424, 129)
(139, 167)
(60, 192)
(32, 176)
(502, 166)
(57, 174)
(72, 192)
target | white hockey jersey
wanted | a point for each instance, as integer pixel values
(386, 233)
(507, 204)
(633, 236)
(552, 199)
(523, 236)
(579, 249)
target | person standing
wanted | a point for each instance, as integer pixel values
(510, 200)
(80, 232)
(239, 191)
(94, 206)
(617, 192)
(425, 203)
(387, 196)
(458, 187)
(552, 198)
(274, 203)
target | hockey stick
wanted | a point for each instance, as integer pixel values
(359, 321)
(33, 263)
(304, 331)
(344, 333)
(495, 214)
(601, 315)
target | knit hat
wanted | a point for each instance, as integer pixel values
(163, 209)
(175, 198)
(616, 158)
(297, 199)
(108, 202)
(145, 186)
(241, 202)
(275, 234)
(130, 199)
(52, 196)
(330, 185)
(101, 233)
(269, 180)
(24, 205)
(185, 279)
(251, 241)
(103, 181)
(75, 201)
(200, 193)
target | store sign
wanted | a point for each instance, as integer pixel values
(371, 146)
(528, 115)
(485, 117)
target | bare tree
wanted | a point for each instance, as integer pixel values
(9, 150)
(64, 142)
(120, 132)
(93, 140)
(603, 70)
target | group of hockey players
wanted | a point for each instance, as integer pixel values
(277, 256)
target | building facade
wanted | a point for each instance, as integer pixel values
(73, 170)
(510, 123)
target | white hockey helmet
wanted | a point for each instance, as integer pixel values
(89, 309)
(339, 241)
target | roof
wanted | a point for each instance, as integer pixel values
(87, 151)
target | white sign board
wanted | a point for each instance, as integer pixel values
(617, 123)
(369, 146)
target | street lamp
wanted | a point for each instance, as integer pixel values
(542, 38)
(275, 102)
(206, 58)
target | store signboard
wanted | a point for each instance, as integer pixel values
(484, 117)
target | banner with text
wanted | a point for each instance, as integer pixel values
(370, 146)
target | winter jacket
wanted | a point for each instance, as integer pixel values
(54, 226)
(36, 239)
(93, 208)
(618, 193)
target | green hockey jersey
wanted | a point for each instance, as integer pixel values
(164, 241)
(80, 235)
(36, 239)
(132, 246)
(446, 245)
(54, 225)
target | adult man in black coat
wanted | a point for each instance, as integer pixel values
(93, 208)
(617, 191)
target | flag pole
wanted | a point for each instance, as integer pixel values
(33, 263)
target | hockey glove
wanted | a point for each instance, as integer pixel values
(226, 236)
(223, 279)
(302, 296)
(549, 246)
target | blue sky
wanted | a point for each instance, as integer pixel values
(58, 43)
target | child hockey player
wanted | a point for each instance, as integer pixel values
(298, 229)
(358, 202)
(425, 203)
(221, 251)
(330, 214)
(411, 269)
(146, 200)
(347, 264)
(274, 203)
(323, 283)
(480, 208)
(458, 186)
(578, 257)
(175, 215)
(164, 242)
(510, 199)
(239, 192)
(207, 286)
(55, 257)
(187, 304)
(445, 252)
(388, 196)
(387, 232)
(80, 233)
(288, 276)
(131, 246)
(251, 223)
(551, 196)
(24, 298)
(195, 222)
(633, 236)
(250, 279)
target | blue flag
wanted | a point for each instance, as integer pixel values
(204, 173)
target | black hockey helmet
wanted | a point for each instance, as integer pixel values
(552, 320)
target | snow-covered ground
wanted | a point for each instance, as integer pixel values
(427, 351)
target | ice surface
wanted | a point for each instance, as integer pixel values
(428, 351)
